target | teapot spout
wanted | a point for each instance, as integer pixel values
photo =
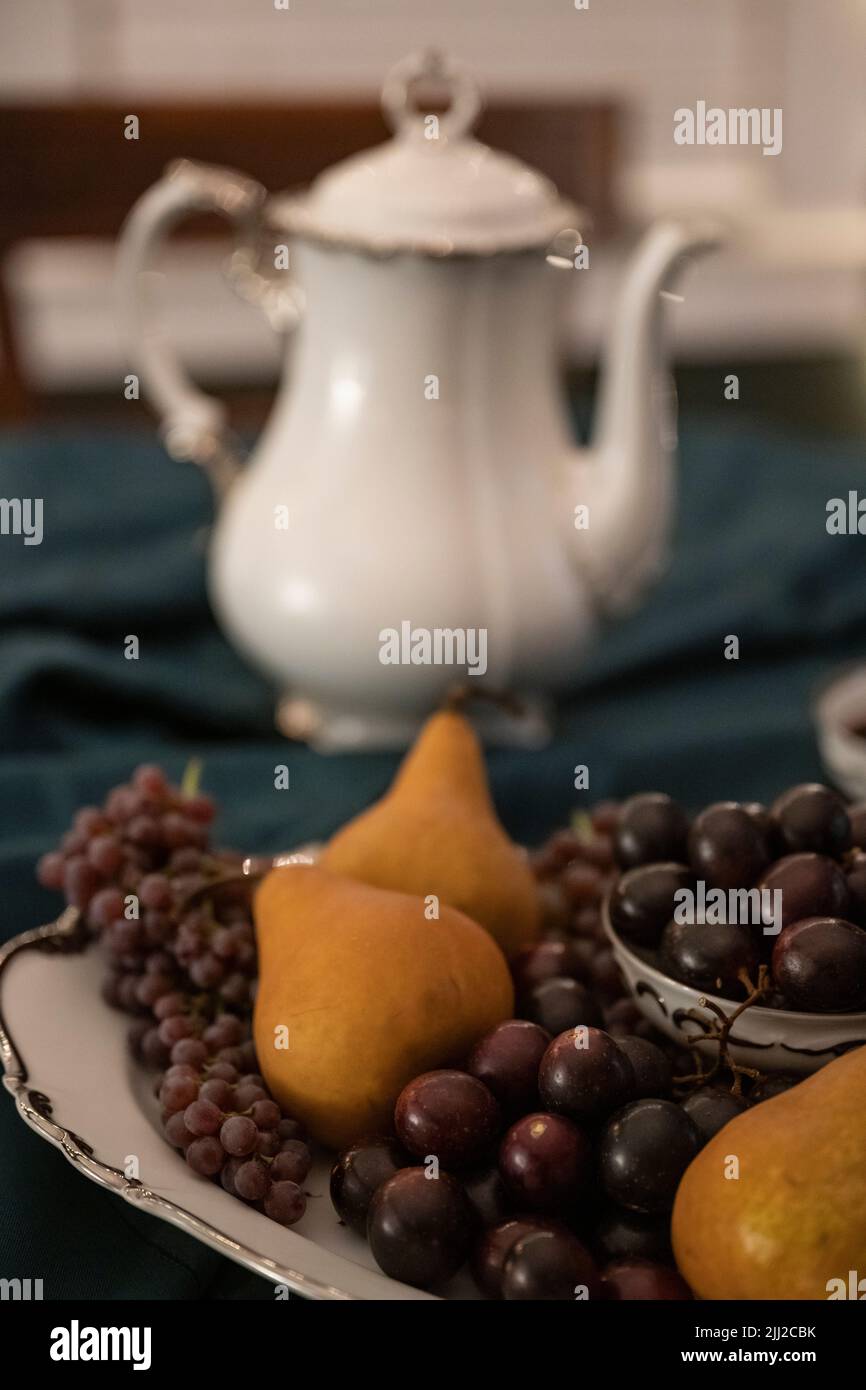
(626, 476)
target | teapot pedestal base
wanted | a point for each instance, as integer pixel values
(332, 730)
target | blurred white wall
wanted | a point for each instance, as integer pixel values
(806, 56)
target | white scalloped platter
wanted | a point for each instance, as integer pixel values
(66, 1063)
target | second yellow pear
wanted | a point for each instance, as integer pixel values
(436, 832)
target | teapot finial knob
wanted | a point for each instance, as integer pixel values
(453, 85)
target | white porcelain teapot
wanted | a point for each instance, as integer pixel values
(416, 511)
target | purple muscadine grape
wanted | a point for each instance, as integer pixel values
(268, 1143)
(206, 1156)
(202, 1117)
(238, 1135)
(252, 1180)
(285, 1203)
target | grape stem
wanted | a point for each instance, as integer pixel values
(720, 1031)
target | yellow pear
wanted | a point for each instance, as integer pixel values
(775, 1205)
(436, 831)
(360, 991)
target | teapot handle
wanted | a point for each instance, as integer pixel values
(192, 424)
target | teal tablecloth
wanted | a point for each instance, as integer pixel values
(658, 707)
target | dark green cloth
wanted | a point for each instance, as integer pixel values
(658, 707)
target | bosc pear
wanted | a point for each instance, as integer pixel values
(436, 832)
(360, 991)
(775, 1205)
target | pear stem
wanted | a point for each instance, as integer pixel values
(720, 1032)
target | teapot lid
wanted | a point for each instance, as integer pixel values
(431, 189)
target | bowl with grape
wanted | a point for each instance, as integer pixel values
(747, 918)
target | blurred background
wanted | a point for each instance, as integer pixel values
(587, 95)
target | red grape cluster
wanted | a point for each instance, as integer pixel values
(226, 1124)
(794, 875)
(175, 917)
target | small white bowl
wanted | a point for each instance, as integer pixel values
(769, 1039)
(842, 705)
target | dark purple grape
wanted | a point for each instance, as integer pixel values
(549, 1265)
(420, 1228)
(285, 1203)
(812, 885)
(177, 1092)
(491, 1251)
(607, 979)
(641, 1279)
(709, 956)
(506, 1060)
(819, 964)
(855, 880)
(812, 817)
(642, 902)
(710, 1108)
(487, 1193)
(176, 1131)
(449, 1114)
(653, 1073)
(545, 960)
(645, 1149)
(562, 1003)
(768, 1087)
(650, 828)
(584, 1074)
(358, 1174)
(546, 1162)
(726, 847)
(626, 1235)
(857, 821)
